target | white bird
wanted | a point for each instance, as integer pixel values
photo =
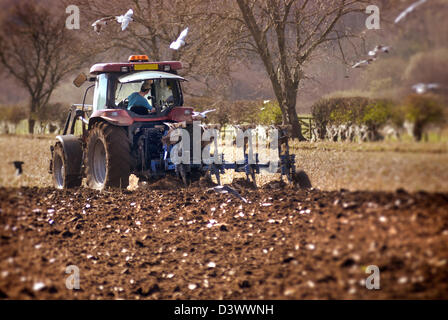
(422, 88)
(171, 126)
(180, 40)
(266, 101)
(125, 19)
(379, 49)
(227, 189)
(203, 114)
(98, 24)
(409, 10)
(203, 126)
(363, 63)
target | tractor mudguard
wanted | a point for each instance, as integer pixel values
(116, 117)
(73, 153)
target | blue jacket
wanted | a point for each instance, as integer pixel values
(136, 99)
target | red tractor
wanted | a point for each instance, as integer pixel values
(118, 139)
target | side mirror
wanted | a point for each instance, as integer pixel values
(80, 79)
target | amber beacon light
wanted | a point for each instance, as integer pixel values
(138, 58)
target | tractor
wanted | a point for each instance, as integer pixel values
(117, 140)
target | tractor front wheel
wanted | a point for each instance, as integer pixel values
(61, 178)
(108, 157)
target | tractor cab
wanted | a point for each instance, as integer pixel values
(115, 82)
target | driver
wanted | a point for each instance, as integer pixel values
(138, 98)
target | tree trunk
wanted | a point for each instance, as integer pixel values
(32, 116)
(31, 123)
(296, 126)
(293, 119)
(284, 118)
(418, 131)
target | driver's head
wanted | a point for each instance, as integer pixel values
(146, 86)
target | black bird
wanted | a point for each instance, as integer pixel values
(18, 166)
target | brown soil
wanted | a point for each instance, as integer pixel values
(197, 244)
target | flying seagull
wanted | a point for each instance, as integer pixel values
(122, 19)
(227, 189)
(180, 40)
(379, 49)
(203, 114)
(422, 88)
(98, 24)
(204, 126)
(363, 63)
(125, 19)
(409, 10)
(170, 126)
(18, 166)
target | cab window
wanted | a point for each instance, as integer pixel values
(99, 97)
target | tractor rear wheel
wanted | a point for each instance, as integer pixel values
(108, 157)
(61, 178)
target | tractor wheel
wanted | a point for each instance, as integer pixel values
(108, 157)
(60, 177)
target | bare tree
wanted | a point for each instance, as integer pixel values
(285, 34)
(38, 51)
(156, 24)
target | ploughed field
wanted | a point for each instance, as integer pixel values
(176, 243)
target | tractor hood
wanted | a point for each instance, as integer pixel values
(148, 75)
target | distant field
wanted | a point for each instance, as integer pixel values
(375, 167)
(383, 166)
(34, 151)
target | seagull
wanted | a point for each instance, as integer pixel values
(202, 115)
(363, 63)
(171, 126)
(18, 166)
(422, 88)
(409, 10)
(227, 189)
(98, 24)
(125, 19)
(180, 40)
(379, 49)
(204, 126)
